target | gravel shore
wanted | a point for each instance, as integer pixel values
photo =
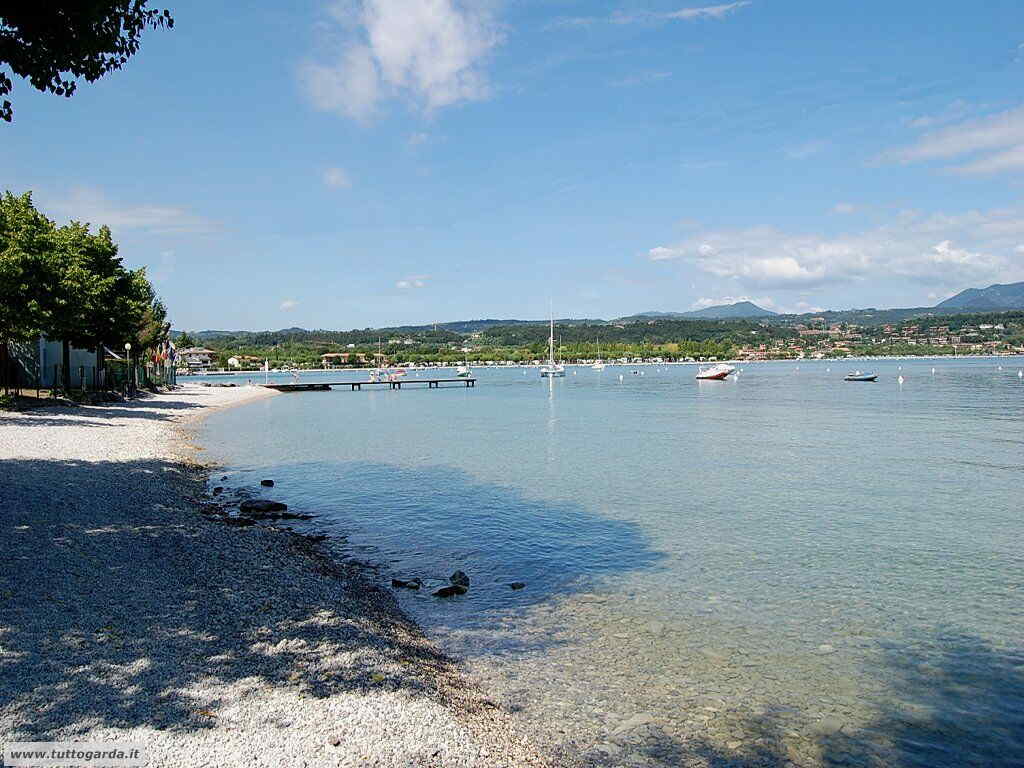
(127, 615)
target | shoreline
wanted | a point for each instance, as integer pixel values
(199, 639)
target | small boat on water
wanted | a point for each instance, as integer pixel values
(463, 372)
(599, 363)
(858, 376)
(715, 372)
(552, 369)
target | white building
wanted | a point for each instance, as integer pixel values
(197, 358)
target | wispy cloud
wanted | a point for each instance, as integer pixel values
(844, 208)
(989, 144)
(337, 178)
(956, 110)
(807, 149)
(428, 51)
(288, 305)
(938, 249)
(640, 79)
(165, 267)
(88, 204)
(718, 12)
(706, 12)
(413, 281)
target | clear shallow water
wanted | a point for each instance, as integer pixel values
(786, 565)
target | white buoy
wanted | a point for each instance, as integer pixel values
(933, 371)
(620, 377)
(828, 370)
(899, 367)
(1020, 374)
(900, 379)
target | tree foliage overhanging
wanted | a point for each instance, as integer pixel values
(52, 43)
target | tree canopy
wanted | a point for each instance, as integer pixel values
(69, 284)
(52, 44)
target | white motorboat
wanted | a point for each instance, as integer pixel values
(715, 372)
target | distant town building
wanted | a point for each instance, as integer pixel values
(197, 358)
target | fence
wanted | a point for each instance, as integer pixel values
(20, 370)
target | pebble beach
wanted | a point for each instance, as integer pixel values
(128, 615)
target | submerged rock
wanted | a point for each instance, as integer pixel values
(411, 584)
(517, 585)
(267, 483)
(452, 591)
(262, 505)
(218, 490)
(459, 578)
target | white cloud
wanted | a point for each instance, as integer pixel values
(707, 12)
(718, 12)
(994, 143)
(288, 304)
(844, 208)
(90, 205)
(337, 178)
(939, 249)
(414, 281)
(430, 51)
(1011, 159)
(418, 138)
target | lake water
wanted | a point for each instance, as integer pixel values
(784, 567)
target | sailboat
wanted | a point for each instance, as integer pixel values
(599, 363)
(552, 369)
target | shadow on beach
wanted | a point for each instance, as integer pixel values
(142, 407)
(121, 605)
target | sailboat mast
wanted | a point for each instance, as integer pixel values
(551, 339)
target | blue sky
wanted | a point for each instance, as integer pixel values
(378, 162)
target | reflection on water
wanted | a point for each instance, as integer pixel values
(780, 567)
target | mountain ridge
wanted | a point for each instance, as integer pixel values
(996, 298)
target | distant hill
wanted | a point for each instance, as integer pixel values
(994, 298)
(739, 309)
(717, 312)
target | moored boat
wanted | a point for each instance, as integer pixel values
(552, 369)
(858, 376)
(715, 372)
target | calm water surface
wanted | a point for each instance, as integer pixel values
(781, 567)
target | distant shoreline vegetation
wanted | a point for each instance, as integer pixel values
(671, 340)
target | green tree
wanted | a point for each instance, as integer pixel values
(53, 43)
(26, 239)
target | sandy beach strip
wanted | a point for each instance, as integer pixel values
(126, 615)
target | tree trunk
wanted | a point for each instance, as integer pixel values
(65, 364)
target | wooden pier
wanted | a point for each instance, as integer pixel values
(354, 385)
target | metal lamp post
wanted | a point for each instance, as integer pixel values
(128, 361)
